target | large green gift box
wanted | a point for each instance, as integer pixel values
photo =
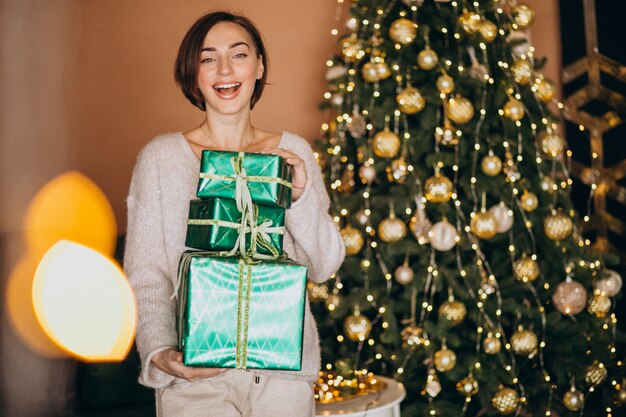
(268, 177)
(214, 224)
(234, 313)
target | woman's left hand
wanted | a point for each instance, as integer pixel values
(299, 170)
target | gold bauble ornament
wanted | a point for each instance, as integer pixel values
(386, 144)
(317, 292)
(484, 225)
(367, 173)
(491, 164)
(442, 236)
(357, 125)
(514, 109)
(544, 89)
(505, 400)
(413, 336)
(599, 305)
(551, 144)
(573, 399)
(620, 397)
(410, 100)
(333, 301)
(438, 188)
(569, 297)
(459, 109)
(526, 269)
(491, 344)
(610, 284)
(557, 225)
(470, 22)
(447, 135)
(596, 373)
(403, 31)
(397, 170)
(453, 311)
(522, 71)
(391, 229)
(370, 72)
(351, 48)
(404, 274)
(419, 226)
(467, 386)
(445, 359)
(352, 239)
(523, 15)
(427, 59)
(357, 326)
(488, 30)
(547, 184)
(529, 201)
(524, 342)
(383, 70)
(445, 84)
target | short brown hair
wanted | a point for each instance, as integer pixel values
(186, 66)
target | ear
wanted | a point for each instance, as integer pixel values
(261, 68)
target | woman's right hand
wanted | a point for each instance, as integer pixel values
(171, 361)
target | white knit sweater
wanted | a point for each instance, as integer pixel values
(164, 180)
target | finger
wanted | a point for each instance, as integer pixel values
(179, 357)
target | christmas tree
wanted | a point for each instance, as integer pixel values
(466, 277)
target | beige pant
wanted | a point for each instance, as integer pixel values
(237, 393)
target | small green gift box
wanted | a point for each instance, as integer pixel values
(214, 224)
(267, 177)
(234, 313)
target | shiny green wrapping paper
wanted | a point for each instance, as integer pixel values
(232, 314)
(268, 177)
(212, 225)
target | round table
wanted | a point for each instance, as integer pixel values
(385, 403)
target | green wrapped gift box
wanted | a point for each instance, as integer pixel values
(214, 225)
(235, 314)
(268, 177)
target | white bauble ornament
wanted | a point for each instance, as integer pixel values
(611, 284)
(504, 217)
(404, 274)
(367, 173)
(442, 236)
(336, 71)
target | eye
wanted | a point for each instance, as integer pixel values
(241, 55)
(207, 60)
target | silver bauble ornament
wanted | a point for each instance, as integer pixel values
(610, 284)
(569, 297)
(404, 274)
(367, 173)
(503, 216)
(442, 236)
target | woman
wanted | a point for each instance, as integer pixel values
(221, 68)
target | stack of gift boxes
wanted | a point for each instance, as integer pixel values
(240, 299)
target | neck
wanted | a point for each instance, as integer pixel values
(229, 133)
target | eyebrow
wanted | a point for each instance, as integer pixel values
(231, 46)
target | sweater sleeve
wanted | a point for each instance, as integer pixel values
(146, 266)
(317, 242)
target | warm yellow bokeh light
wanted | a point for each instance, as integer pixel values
(84, 302)
(71, 207)
(21, 313)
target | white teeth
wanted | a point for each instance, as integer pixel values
(223, 86)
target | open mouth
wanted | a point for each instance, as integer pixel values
(227, 89)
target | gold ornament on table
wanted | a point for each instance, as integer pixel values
(610, 284)
(403, 31)
(386, 144)
(367, 173)
(445, 84)
(569, 297)
(468, 386)
(596, 373)
(356, 326)
(447, 135)
(503, 216)
(557, 225)
(469, 21)
(526, 269)
(369, 72)
(410, 100)
(444, 359)
(524, 342)
(551, 144)
(573, 399)
(453, 311)
(505, 400)
(398, 170)
(488, 30)
(442, 236)
(351, 48)
(404, 273)
(491, 164)
(522, 71)
(317, 292)
(427, 59)
(523, 15)
(459, 109)
(413, 336)
(391, 229)
(599, 305)
(332, 387)
(438, 188)
(514, 109)
(544, 89)
(491, 344)
(529, 201)
(352, 239)
(484, 225)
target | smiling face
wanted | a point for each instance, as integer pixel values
(228, 69)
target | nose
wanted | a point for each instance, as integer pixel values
(224, 67)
